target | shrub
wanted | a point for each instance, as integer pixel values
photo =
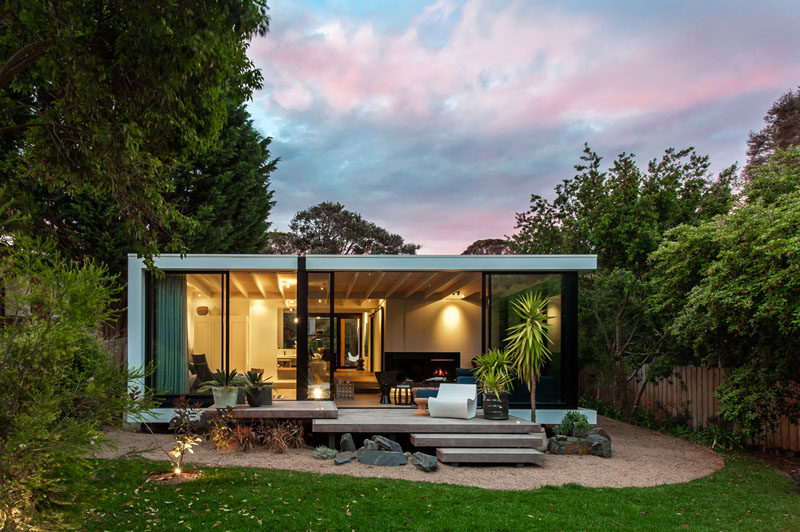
(58, 384)
(574, 424)
(278, 436)
(324, 453)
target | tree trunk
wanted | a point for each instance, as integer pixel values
(533, 400)
(620, 388)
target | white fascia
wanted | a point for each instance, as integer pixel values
(464, 263)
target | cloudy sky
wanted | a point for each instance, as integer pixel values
(438, 120)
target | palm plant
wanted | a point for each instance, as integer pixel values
(256, 380)
(494, 372)
(222, 379)
(527, 341)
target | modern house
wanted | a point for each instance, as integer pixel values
(318, 322)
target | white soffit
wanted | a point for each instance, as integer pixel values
(221, 262)
(511, 263)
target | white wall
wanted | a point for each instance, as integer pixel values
(446, 325)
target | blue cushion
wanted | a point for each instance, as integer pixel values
(464, 372)
(426, 393)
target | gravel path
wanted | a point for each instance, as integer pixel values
(641, 458)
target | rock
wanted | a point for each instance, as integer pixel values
(601, 446)
(382, 458)
(347, 443)
(369, 445)
(344, 457)
(387, 444)
(601, 432)
(424, 462)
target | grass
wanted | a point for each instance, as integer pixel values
(744, 495)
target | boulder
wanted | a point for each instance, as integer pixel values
(601, 432)
(346, 443)
(344, 457)
(387, 444)
(601, 446)
(424, 462)
(369, 445)
(382, 458)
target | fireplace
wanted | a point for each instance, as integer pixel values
(421, 366)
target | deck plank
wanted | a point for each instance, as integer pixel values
(288, 410)
(403, 420)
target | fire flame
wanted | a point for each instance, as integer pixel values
(439, 373)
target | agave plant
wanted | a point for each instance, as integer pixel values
(494, 372)
(222, 379)
(527, 341)
(256, 380)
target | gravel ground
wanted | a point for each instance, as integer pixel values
(641, 458)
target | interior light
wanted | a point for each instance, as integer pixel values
(317, 393)
(295, 320)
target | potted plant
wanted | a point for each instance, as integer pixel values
(258, 389)
(495, 373)
(224, 386)
(527, 341)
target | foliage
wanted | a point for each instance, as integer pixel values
(780, 132)
(226, 189)
(321, 452)
(281, 435)
(732, 291)
(621, 214)
(220, 429)
(184, 425)
(328, 228)
(256, 381)
(527, 341)
(222, 379)
(99, 99)
(58, 384)
(489, 246)
(744, 495)
(494, 371)
(574, 424)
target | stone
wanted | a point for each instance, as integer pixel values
(601, 432)
(387, 444)
(600, 446)
(347, 443)
(382, 458)
(424, 462)
(369, 445)
(344, 457)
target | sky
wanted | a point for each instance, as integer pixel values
(438, 120)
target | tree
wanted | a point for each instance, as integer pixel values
(489, 246)
(782, 131)
(621, 215)
(527, 341)
(226, 190)
(101, 98)
(328, 228)
(731, 289)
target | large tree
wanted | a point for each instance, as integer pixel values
(780, 132)
(488, 246)
(731, 289)
(621, 215)
(101, 98)
(329, 228)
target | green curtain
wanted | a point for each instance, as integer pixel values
(171, 334)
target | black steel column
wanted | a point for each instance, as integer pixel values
(569, 339)
(483, 312)
(302, 330)
(226, 276)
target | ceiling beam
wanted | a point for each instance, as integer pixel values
(471, 289)
(238, 284)
(279, 284)
(396, 285)
(420, 284)
(441, 287)
(259, 284)
(206, 284)
(350, 285)
(374, 284)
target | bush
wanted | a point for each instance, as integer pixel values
(58, 384)
(574, 424)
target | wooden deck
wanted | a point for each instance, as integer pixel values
(403, 421)
(287, 410)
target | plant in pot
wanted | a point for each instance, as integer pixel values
(258, 389)
(495, 373)
(224, 386)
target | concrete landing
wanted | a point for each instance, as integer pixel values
(459, 455)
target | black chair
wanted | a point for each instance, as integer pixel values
(202, 373)
(386, 380)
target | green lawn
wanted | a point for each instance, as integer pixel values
(744, 495)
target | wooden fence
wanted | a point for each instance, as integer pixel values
(693, 389)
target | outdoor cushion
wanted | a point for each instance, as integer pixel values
(425, 392)
(454, 400)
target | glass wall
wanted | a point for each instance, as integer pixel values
(321, 334)
(503, 290)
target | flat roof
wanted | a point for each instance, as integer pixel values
(510, 263)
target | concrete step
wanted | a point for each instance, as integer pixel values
(472, 455)
(533, 441)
